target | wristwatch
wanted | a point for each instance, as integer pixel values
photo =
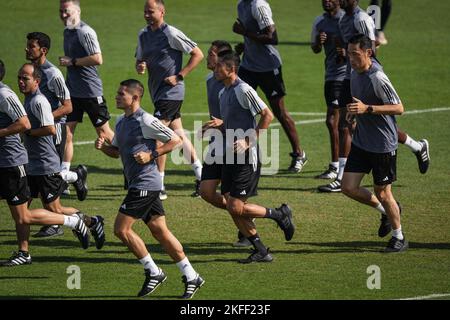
(180, 77)
(155, 154)
(369, 109)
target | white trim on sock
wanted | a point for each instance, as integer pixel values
(148, 264)
(187, 269)
(71, 221)
(342, 162)
(197, 167)
(398, 233)
(69, 176)
(380, 209)
(413, 144)
(65, 166)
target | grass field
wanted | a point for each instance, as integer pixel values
(336, 238)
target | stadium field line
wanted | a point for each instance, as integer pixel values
(430, 296)
(194, 114)
(312, 121)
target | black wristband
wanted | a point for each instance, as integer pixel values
(155, 154)
(74, 62)
(180, 77)
(27, 132)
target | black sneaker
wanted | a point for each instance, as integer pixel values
(151, 283)
(191, 287)
(334, 186)
(196, 193)
(81, 232)
(285, 223)
(257, 256)
(81, 185)
(17, 259)
(330, 173)
(98, 232)
(396, 245)
(385, 225)
(423, 156)
(49, 231)
(298, 162)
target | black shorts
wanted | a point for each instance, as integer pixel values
(382, 165)
(211, 171)
(332, 91)
(60, 138)
(240, 180)
(142, 204)
(95, 108)
(271, 82)
(168, 110)
(49, 187)
(346, 94)
(14, 185)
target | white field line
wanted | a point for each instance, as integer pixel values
(431, 296)
(312, 121)
(313, 114)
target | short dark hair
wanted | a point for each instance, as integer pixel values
(37, 73)
(2, 70)
(134, 85)
(361, 39)
(75, 2)
(230, 58)
(42, 39)
(221, 45)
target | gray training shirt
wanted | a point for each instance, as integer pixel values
(83, 82)
(334, 71)
(43, 158)
(53, 87)
(239, 105)
(163, 50)
(375, 133)
(135, 133)
(12, 152)
(213, 88)
(350, 25)
(255, 16)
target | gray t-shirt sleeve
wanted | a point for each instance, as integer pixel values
(249, 99)
(315, 31)
(153, 128)
(138, 54)
(11, 105)
(384, 89)
(365, 25)
(58, 86)
(179, 41)
(43, 111)
(262, 13)
(89, 41)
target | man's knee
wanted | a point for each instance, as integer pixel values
(235, 208)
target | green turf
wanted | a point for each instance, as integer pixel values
(336, 238)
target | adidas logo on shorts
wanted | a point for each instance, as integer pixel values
(49, 196)
(15, 199)
(124, 206)
(243, 193)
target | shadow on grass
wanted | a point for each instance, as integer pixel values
(102, 170)
(360, 246)
(22, 277)
(15, 297)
